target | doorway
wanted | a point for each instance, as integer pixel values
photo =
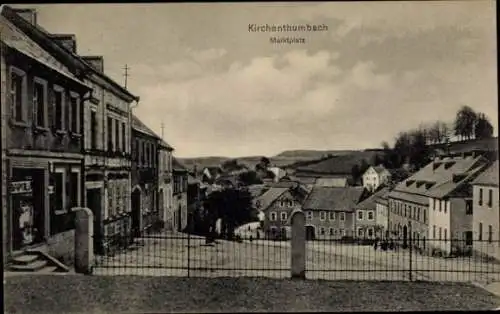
(136, 212)
(27, 192)
(405, 237)
(310, 233)
(95, 205)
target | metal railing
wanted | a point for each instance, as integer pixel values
(171, 253)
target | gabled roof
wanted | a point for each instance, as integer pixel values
(489, 176)
(140, 126)
(333, 198)
(177, 165)
(439, 178)
(269, 197)
(338, 164)
(379, 169)
(371, 201)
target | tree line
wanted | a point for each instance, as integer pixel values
(412, 147)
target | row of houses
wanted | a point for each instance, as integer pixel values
(449, 206)
(69, 139)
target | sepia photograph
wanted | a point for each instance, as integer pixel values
(208, 157)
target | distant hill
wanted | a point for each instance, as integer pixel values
(487, 144)
(311, 154)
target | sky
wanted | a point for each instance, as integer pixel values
(222, 90)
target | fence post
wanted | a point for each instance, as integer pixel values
(298, 245)
(84, 244)
(411, 250)
(189, 228)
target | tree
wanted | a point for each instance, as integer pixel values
(419, 151)
(263, 164)
(233, 206)
(464, 122)
(355, 173)
(435, 133)
(249, 178)
(483, 127)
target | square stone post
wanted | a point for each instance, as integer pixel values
(84, 242)
(298, 244)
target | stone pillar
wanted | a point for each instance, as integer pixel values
(84, 245)
(298, 251)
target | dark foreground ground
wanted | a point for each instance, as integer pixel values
(134, 294)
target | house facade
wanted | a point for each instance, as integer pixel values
(331, 212)
(107, 125)
(165, 183)
(375, 176)
(42, 138)
(382, 212)
(179, 220)
(144, 209)
(368, 223)
(276, 206)
(486, 215)
(434, 206)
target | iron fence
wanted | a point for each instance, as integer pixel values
(170, 253)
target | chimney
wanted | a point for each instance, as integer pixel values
(27, 14)
(97, 62)
(66, 40)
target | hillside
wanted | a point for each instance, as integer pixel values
(311, 154)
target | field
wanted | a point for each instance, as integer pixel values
(175, 255)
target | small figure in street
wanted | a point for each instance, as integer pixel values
(375, 244)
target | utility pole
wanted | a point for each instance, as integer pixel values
(162, 129)
(127, 74)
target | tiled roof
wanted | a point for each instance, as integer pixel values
(439, 178)
(140, 126)
(177, 165)
(333, 198)
(256, 190)
(304, 180)
(381, 195)
(489, 176)
(379, 169)
(269, 197)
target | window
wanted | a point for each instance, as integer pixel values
(332, 215)
(282, 203)
(124, 138)
(283, 216)
(342, 216)
(67, 115)
(322, 231)
(360, 232)
(468, 237)
(59, 108)
(418, 213)
(434, 204)
(117, 197)
(17, 92)
(75, 114)
(445, 234)
(370, 232)
(309, 215)
(434, 232)
(117, 136)
(110, 202)
(74, 189)
(490, 233)
(110, 134)
(468, 207)
(480, 231)
(59, 192)
(425, 215)
(322, 215)
(40, 102)
(371, 216)
(360, 215)
(490, 198)
(440, 234)
(480, 196)
(273, 216)
(331, 231)
(93, 129)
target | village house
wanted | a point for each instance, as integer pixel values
(42, 139)
(179, 220)
(375, 176)
(382, 212)
(331, 212)
(165, 183)
(107, 138)
(367, 225)
(486, 215)
(276, 204)
(434, 206)
(145, 211)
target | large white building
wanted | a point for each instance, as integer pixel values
(486, 216)
(375, 176)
